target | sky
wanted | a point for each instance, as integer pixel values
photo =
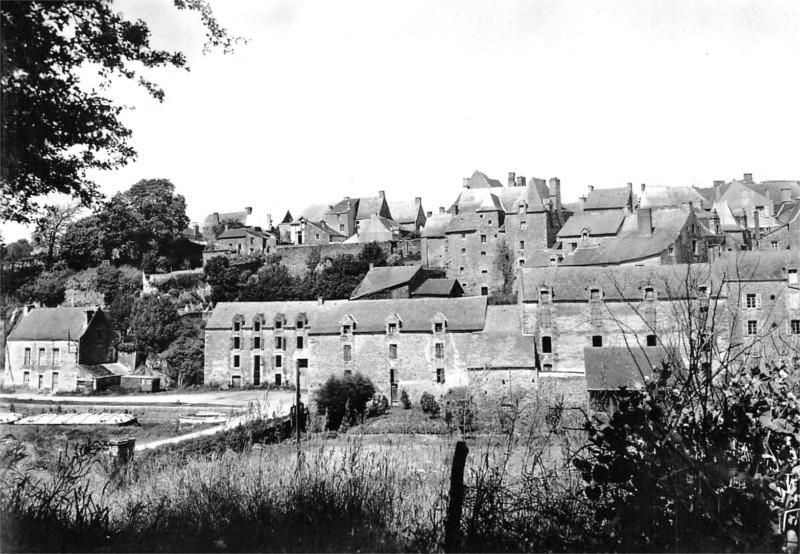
(346, 98)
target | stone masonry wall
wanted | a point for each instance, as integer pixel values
(295, 258)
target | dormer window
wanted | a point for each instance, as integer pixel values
(257, 326)
(439, 323)
(279, 321)
(595, 295)
(347, 330)
(237, 324)
(584, 235)
(392, 328)
(299, 324)
(438, 327)
(522, 208)
(348, 325)
(649, 293)
(544, 296)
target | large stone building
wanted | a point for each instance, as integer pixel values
(61, 349)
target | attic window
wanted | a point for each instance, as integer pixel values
(585, 236)
(438, 327)
(544, 295)
(521, 208)
(649, 293)
(594, 294)
(257, 326)
(391, 328)
(237, 325)
(299, 324)
(792, 276)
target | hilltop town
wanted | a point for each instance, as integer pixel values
(508, 292)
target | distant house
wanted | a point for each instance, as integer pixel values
(377, 229)
(244, 218)
(389, 282)
(409, 215)
(314, 232)
(247, 241)
(62, 349)
(756, 205)
(370, 206)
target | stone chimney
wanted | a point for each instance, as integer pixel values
(521, 181)
(786, 195)
(382, 194)
(417, 200)
(591, 188)
(555, 193)
(511, 178)
(756, 224)
(216, 217)
(643, 188)
(465, 182)
(347, 198)
(428, 214)
(248, 210)
(441, 209)
(196, 231)
(330, 207)
(645, 221)
(581, 203)
(748, 178)
(718, 190)
(715, 224)
(320, 300)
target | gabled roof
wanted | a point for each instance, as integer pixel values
(53, 324)
(480, 181)
(757, 265)
(597, 223)
(241, 217)
(380, 279)
(287, 218)
(605, 199)
(775, 188)
(478, 200)
(240, 233)
(786, 212)
(436, 225)
(438, 287)
(461, 223)
(610, 368)
(325, 227)
(670, 197)
(405, 212)
(501, 345)
(368, 206)
(344, 206)
(709, 194)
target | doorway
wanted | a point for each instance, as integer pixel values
(393, 388)
(256, 371)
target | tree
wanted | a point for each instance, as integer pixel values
(18, 250)
(51, 227)
(271, 283)
(224, 280)
(160, 212)
(82, 244)
(154, 324)
(185, 356)
(340, 278)
(338, 394)
(372, 253)
(53, 130)
(48, 289)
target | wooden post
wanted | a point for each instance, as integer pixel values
(452, 525)
(297, 404)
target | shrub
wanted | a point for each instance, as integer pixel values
(378, 406)
(460, 414)
(344, 396)
(405, 400)
(429, 405)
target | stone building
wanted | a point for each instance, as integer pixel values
(757, 204)
(247, 241)
(409, 215)
(244, 218)
(61, 349)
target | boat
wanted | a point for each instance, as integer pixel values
(204, 417)
(9, 417)
(93, 418)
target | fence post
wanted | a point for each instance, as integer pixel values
(452, 525)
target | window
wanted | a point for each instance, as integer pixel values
(439, 350)
(26, 377)
(795, 326)
(347, 353)
(792, 276)
(316, 236)
(774, 244)
(594, 294)
(483, 238)
(483, 253)
(547, 367)
(299, 324)
(237, 326)
(41, 360)
(522, 245)
(523, 225)
(751, 301)
(348, 371)
(440, 375)
(597, 341)
(278, 343)
(392, 328)
(649, 293)
(438, 327)
(278, 324)
(544, 296)
(547, 345)
(484, 291)
(461, 269)
(463, 236)
(596, 314)
(257, 326)
(341, 227)
(392, 351)
(302, 363)
(346, 329)
(299, 343)
(521, 262)
(651, 340)
(237, 343)
(236, 360)
(56, 356)
(752, 327)
(484, 271)
(463, 250)
(54, 380)
(573, 246)
(278, 361)
(671, 251)
(544, 317)
(705, 343)
(256, 342)
(27, 359)
(695, 249)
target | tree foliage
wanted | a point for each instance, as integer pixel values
(54, 128)
(504, 264)
(51, 226)
(185, 356)
(48, 289)
(344, 398)
(154, 324)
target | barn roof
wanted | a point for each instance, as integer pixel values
(385, 278)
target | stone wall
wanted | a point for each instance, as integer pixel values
(295, 258)
(67, 378)
(471, 256)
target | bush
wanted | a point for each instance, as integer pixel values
(378, 406)
(429, 405)
(344, 396)
(460, 414)
(405, 400)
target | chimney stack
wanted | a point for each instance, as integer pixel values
(645, 221)
(555, 193)
(248, 210)
(642, 188)
(196, 231)
(748, 178)
(320, 300)
(715, 221)
(718, 190)
(786, 195)
(521, 181)
(330, 207)
(428, 214)
(756, 225)
(511, 178)
(418, 200)
(347, 198)
(216, 217)
(441, 209)
(591, 188)
(581, 203)
(465, 182)
(382, 194)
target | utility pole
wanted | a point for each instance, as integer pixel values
(297, 414)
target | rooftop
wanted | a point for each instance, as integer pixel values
(610, 368)
(53, 324)
(385, 278)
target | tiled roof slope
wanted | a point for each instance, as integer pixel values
(610, 368)
(463, 314)
(436, 287)
(239, 233)
(670, 197)
(604, 199)
(314, 212)
(325, 227)
(478, 200)
(404, 212)
(385, 278)
(622, 283)
(52, 324)
(341, 207)
(501, 344)
(436, 224)
(597, 223)
(757, 265)
(368, 206)
(480, 180)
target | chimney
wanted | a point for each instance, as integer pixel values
(511, 178)
(786, 195)
(417, 200)
(465, 182)
(715, 221)
(381, 194)
(428, 214)
(371, 265)
(216, 217)
(196, 231)
(591, 188)
(320, 300)
(756, 224)
(748, 178)
(28, 308)
(718, 190)
(642, 188)
(330, 207)
(555, 193)
(89, 315)
(581, 203)
(269, 222)
(248, 210)
(630, 188)
(441, 209)
(521, 181)
(227, 225)
(645, 220)
(553, 261)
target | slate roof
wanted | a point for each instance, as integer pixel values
(405, 212)
(368, 206)
(100, 370)
(314, 212)
(436, 287)
(385, 278)
(501, 344)
(670, 197)
(461, 223)
(240, 233)
(480, 180)
(52, 324)
(241, 217)
(341, 206)
(709, 194)
(756, 265)
(617, 283)
(598, 223)
(462, 314)
(787, 212)
(436, 224)
(479, 200)
(610, 368)
(287, 218)
(325, 227)
(605, 199)
(775, 188)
